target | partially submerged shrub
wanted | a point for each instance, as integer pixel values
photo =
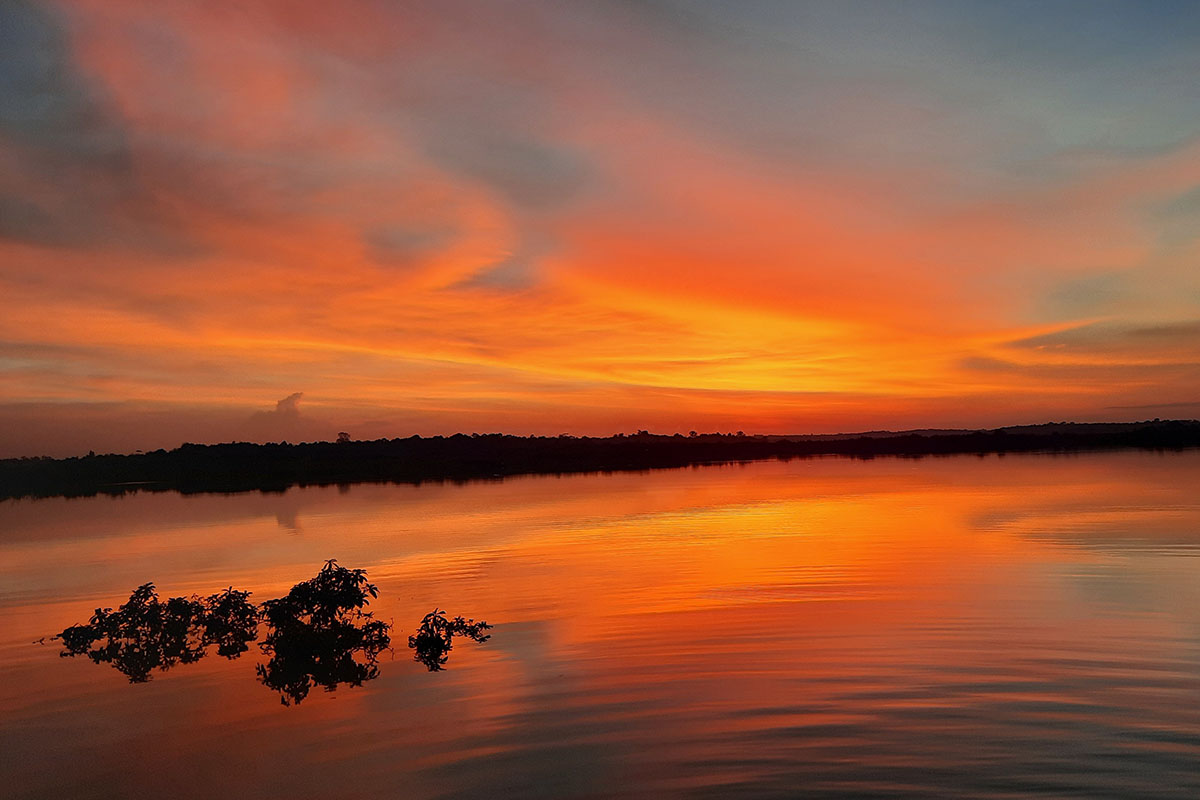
(230, 622)
(335, 592)
(319, 635)
(145, 634)
(433, 641)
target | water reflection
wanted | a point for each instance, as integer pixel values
(319, 634)
(946, 628)
(432, 642)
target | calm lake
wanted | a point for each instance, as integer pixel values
(944, 627)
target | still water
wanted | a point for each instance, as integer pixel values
(953, 627)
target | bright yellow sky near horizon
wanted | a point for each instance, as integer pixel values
(281, 220)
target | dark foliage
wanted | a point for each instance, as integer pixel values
(230, 622)
(319, 635)
(274, 467)
(433, 641)
(145, 634)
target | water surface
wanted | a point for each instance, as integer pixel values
(943, 627)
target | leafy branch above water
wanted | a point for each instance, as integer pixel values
(319, 634)
(145, 633)
(432, 642)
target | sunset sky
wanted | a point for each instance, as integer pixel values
(279, 220)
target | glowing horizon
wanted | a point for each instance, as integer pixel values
(272, 221)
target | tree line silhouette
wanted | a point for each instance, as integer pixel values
(244, 466)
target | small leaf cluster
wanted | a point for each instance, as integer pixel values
(433, 641)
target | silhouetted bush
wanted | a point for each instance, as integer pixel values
(319, 635)
(145, 634)
(433, 640)
(230, 622)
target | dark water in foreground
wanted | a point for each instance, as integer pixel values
(957, 627)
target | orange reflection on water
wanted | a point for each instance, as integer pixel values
(957, 625)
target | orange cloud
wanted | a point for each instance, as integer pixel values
(430, 221)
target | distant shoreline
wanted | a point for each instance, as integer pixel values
(243, 467)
